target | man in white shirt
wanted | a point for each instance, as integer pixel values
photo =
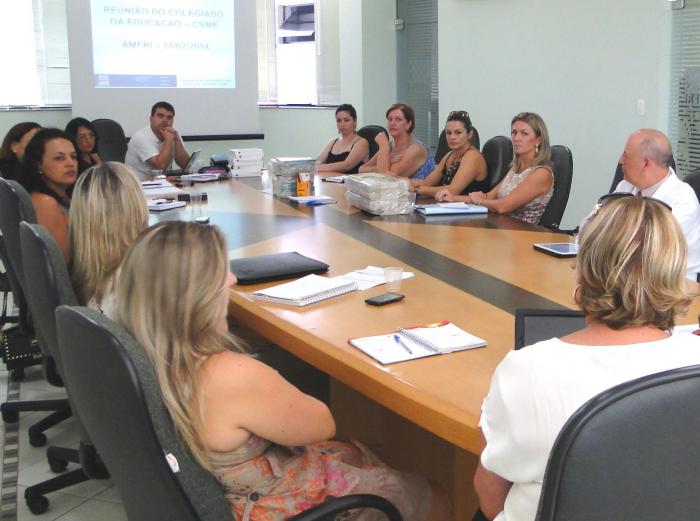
(156, 145)
(646, 165)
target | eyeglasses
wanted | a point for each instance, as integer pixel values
(619, 195)
(458, 114)
(86, 137)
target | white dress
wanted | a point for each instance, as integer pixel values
(536, 389)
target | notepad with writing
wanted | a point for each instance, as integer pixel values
(306, 290)
(417, 342)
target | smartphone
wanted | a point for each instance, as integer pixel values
(386, 298)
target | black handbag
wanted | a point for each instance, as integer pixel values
(17, 348)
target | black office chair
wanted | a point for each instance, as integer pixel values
(629, 453)
(111, 141)
(369, 132)
(118, 398)
(16, 206)
(443, 149)
(535, 325)
(693, 179)
(498, 154)
(563, 166)
(48, 286)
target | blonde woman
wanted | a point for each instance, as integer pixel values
(631, 270)
(527, 188)
(265, 441)
(108, 212)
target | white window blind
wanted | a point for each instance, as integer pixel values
(303, 69)
(34, 36)
(684, 130)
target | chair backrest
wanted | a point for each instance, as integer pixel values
(442, 147)
(535, 325)
(369, 132)
(111, 141)
(47, 284)
(563, 166)
(629, 453)
(498, 154)
(15, 206)
(693, 179)
(116, 395)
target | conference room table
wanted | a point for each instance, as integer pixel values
(475, 271)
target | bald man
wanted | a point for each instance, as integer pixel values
(646, 165)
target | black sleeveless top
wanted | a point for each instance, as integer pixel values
(448, 175)
(338, 158)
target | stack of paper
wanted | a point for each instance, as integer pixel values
(160, 205)
(449, 208)
(160, 189)
(245, 162)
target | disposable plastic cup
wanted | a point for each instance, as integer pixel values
(392, 276)
(196, 205)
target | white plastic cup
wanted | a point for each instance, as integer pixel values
(393, 277)
(186, 181)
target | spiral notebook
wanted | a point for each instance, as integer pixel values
(306, 290)
(417, 342)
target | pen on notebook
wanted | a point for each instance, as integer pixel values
(398, 340)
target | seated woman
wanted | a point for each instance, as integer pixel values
(85, 136)
(527, 188)
(630, 275)
(404, 156)
(463, 169)
(12, 150)
(266, 442)
(49, 171)
(346, 153)
(108, 211)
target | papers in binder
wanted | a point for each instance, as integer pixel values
(449, 208)
(306, 290)
(435, 339)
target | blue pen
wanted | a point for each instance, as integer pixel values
(314, 203)
(398, 340)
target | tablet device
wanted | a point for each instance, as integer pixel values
(558, 249)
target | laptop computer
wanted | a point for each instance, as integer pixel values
(187, 168)
(535, 325)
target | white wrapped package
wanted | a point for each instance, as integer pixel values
(377, 186)
(400, 204)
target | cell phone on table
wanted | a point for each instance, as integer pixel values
(386, 298)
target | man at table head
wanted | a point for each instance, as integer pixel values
(646, 165)
(156, 145)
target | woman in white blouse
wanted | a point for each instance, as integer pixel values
(631, 268)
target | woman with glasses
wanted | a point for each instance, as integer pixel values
(85, 136)
(463, 169)
(404, 155)
(630, 285)
(347, 152)
(527, 188)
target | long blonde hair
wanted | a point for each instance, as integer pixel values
(631, 265)
(171, 295)
(108, 211)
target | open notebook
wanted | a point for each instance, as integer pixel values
(306, 290)
(417, 342)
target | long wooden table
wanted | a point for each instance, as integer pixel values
(474, 271)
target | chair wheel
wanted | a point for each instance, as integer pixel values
(57, 465)
(37, 440)
(17, 375)
(10, 416)
(37, 505)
